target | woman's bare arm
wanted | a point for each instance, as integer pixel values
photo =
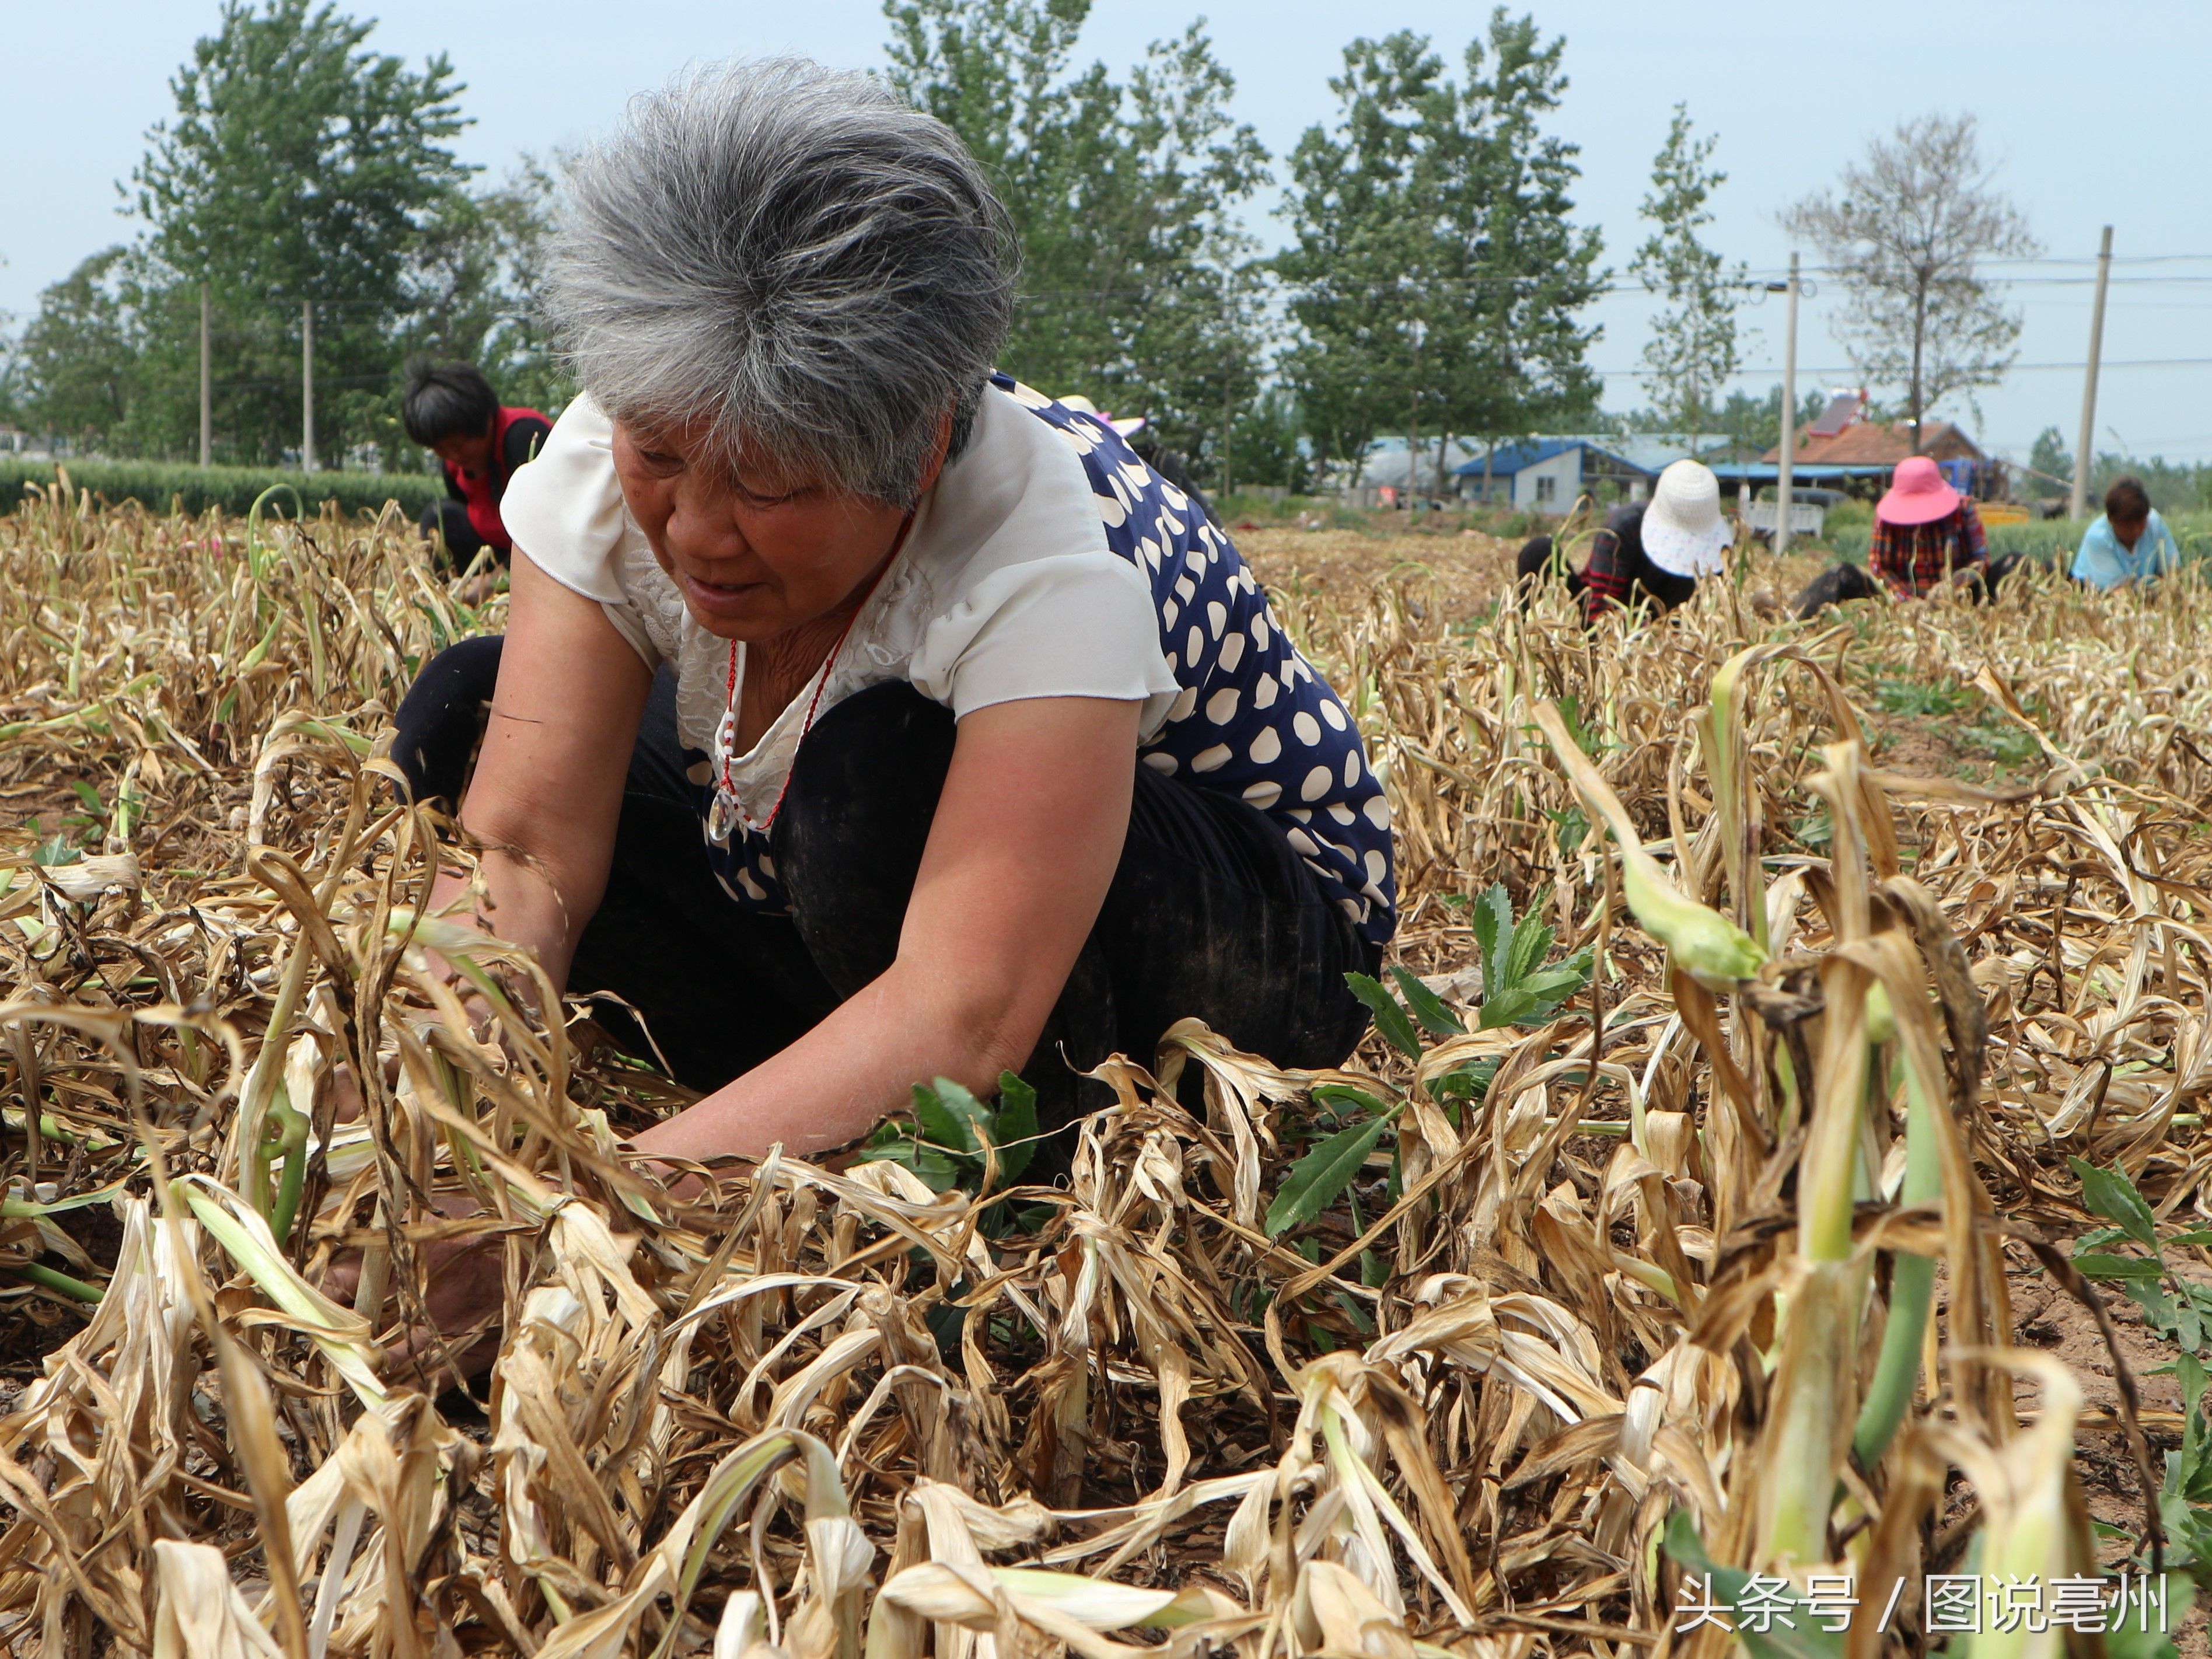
(548, 788)
(1025, 842)
(1023, 846)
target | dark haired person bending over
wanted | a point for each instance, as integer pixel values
(451, 410)
(2130, 544)
(1646, 552)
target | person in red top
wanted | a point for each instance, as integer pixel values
(450, 409)
(1926, 535)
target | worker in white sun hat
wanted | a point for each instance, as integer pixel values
(1651, 551)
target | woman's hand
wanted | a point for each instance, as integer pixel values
(465, 1290)
(548, 788)
(1021, 852)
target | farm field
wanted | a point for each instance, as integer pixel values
(1782, 1005)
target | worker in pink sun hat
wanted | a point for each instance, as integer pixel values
(1926, 535)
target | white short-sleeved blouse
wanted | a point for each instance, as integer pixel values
(1047, 561)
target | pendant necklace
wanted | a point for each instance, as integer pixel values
(728, 812)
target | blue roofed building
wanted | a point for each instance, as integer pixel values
(1550, 475)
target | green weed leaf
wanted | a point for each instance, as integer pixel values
(1532, 937)
(1795, 1633)
(892, 1145)
(2110, 1194)
(942, 1122)
(1390, 1019)
(56, 848)
(2096, 1266)
(1437, 1018)
(1493, 934)
(1015, 1125)
(1316, 1179)
(1467, 1082)
(1343, 1094)
(1506, 1008)
(1539, 996)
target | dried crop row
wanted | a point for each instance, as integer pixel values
(827, 1411)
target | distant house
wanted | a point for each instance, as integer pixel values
(1384, 468)
(1550, 475)
(1843, 447)
(1875, 443)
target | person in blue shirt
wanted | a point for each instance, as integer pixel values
(2130, 544)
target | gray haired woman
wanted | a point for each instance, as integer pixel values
(865, 717)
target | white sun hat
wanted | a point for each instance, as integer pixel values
(1684, 533)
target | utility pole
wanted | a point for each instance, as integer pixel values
(306, 385)
(1785, 482)
(2078, 506)
(207, 386)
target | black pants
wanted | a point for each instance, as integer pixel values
(1210, 912)
(448, 519)
(1840, 582)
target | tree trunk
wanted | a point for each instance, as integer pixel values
(1919, 337)
(1414, 428)
(1228, 427)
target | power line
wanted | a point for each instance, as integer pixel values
(2009, 368)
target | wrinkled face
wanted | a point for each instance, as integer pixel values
(2129, 531)
(755, 549)
(464, 452)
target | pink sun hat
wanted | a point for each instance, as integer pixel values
(1918, 494)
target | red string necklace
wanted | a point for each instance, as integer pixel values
(727, 804)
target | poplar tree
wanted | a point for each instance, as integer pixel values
(299, 166)
(1436, 274)
(1138, 286)
(1907, 234)
(1692, 348)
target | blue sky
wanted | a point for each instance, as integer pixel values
(2090, 115)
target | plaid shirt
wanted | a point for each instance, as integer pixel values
(1608, 577)
(1914, 559)
(1620, 573)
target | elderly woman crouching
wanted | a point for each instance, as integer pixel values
(865, 716)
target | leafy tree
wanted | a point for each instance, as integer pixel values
(76, 364)
(1693, 349)
(12, 391)
(1137, 289)
(1357, 272)
(2173, 486)
(1537, 269)
(2050, 458)
(1267, 432)
(472, 294)
(1754, 424)
(1907, 235)
(298, 166)
(1435, 275)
